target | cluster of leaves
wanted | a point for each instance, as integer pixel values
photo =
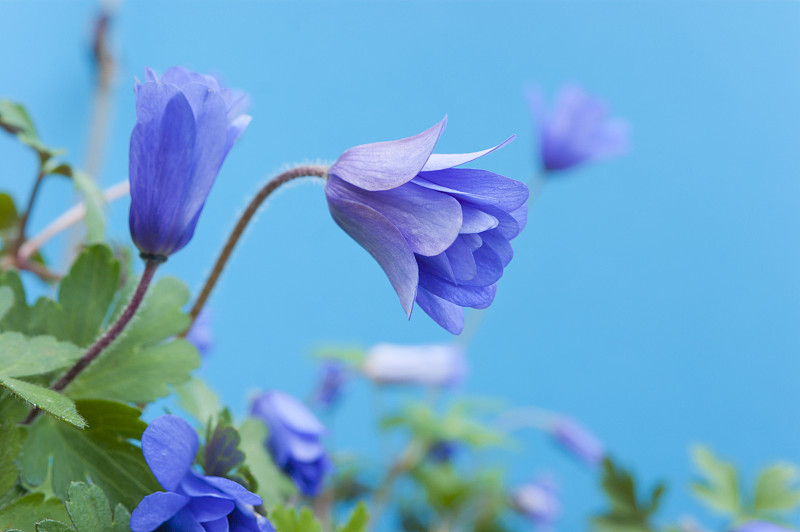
(773, 497)
(92, 428)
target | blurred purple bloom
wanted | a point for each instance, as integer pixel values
(761, 526)
(443, 451)
(334, 375)
(186, 123)
(191, 501)
(294, 439)
(578, 440)
(440, 233)
(433, 365)
(201, 334)
(576, 129)
(538, 501)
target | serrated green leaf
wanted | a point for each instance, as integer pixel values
(6, 300)
(198, 400)
(720, 487)
(139, 377)
(289, 520)
(48, 525)
(10, 445)
(94, 220)
(273, 487)
(139, 366)
(122, 519)
(8, 212)
(23, 356)
(44, 399)
(88, 507)
(84, 297)
(102, 453)
(24, 513)
(358, 520)
(627, 512)
(775, 489)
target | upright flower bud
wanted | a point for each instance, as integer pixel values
(186, 123)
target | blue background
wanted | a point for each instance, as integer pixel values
(655, 297)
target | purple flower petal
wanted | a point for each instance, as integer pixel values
(220, 525)
(461, 294)
(206, 509)
(155, 509)
(383, 241)
(291, 412)
(441, 161)
(183, 521)
(386, 165)
(476, 220)
(577, 439)
(449, 315)
(169, 445)
(428, 220)
(235, 490)
(478, 186)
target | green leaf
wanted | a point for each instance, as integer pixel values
(6, 300)
(48, 525)
(94, 220)
(24, 513)
(23, 356)
(10, 444)
(15, 119)
(122, 519)
(719, 488)
(45, 399)
(358, 520)
(102, 453)
(84, 298)
(88, 507)
(627, 513)
(138, 377)
(198, 400)
(288, 520)
(139, 366)
(8, 212)
(775, 489)
(273, 487)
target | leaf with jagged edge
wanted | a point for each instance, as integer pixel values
(719, 488)
(287, 519)
(10, 445)
(44, 399)
(776, 489)
(102, 453)
(358, 520)
(84, 297)
(90, 511)
(25, 512)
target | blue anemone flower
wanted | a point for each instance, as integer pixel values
(576, 129)
(191, 502)
(294, 439)
(439, 232)
(186, 123)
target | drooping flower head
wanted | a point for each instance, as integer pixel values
(294, 439)
(333, 377)
(439, 232)
(576, 129)
(191, 501)
(201, 334)
(431, 365)
(577, 439)
(538, 501)
(186, 123)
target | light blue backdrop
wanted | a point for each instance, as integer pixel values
(655, 297)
